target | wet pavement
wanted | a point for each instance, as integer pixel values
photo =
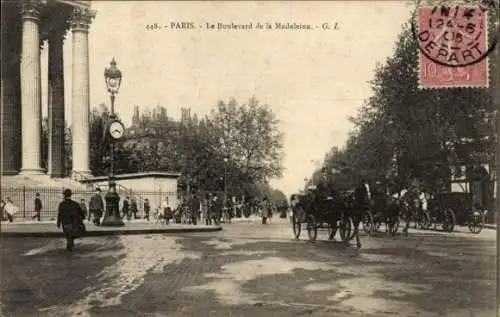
(250, 270)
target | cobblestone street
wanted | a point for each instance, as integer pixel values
(249, 269)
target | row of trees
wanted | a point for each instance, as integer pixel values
(239, 142)
(404, 132)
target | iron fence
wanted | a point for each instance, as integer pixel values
(24, 199)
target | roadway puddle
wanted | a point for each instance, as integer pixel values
(228, 283)
(354, 294)
(360, 294)
(246, 253)
(139, 256)
(227, 245)
(219, 244)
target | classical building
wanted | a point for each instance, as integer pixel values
(26, 25)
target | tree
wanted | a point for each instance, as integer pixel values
(250, 137)
(403, 131)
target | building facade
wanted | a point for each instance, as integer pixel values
(26, 25)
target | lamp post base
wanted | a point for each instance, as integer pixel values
(112, 216)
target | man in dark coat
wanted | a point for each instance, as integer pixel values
(322, 187)
(96, 206)
(83, 206)
(70, 216)
(38, 207)
(133, 209)
(147, 209)
(125, 209)
(195, 205)
(217, 209)
(361, 195)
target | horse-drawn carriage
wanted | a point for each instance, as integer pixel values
(456, 208)
(383, 209)
(324, 213)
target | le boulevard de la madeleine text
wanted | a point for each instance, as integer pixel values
(175, 25)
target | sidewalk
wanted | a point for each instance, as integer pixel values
(49, 229)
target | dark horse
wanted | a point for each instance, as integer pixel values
(388, 210)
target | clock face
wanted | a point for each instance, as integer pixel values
(116, 129)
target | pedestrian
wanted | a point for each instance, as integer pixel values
(206, 209)
(83, 206)
(147, 208)
(166, 210)
(133, 208)
(38, 207)
(70, 216)
(195, 206)
(265, 210)
(229, 211)
(96, 206)
(126, 208)
(217, 206)
(10, 209)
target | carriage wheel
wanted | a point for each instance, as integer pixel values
(476, 224)
(449, 220)
(346, 228)
(312, 228)
(424, 220)
(297, 227)
(368, 224)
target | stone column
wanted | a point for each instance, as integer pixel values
(56, 104)
(31, 97)
(10, 92)
(80, 23)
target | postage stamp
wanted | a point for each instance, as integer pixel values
(453, 46)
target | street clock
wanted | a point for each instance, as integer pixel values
(116, 130)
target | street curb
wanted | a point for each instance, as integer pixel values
(111, 232)
(490, 226)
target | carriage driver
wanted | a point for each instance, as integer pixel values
(322, 189)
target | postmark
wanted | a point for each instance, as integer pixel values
(453, 45)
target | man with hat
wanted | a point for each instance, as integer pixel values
(71, 217)
(96, 206)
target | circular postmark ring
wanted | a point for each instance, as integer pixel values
(454, 30)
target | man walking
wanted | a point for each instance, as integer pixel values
(83, 206)
(207, 209)
(133, 208)
(218, 204)
(195, 205)
(126, 209)
(147, 209)
(38, 207)
(96, 206)
(266, 210)
(70, 216)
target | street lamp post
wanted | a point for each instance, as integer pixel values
(113, 77)
(225, 179)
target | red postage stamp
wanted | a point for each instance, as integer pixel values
(453, 46)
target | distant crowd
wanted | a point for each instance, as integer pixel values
(209, 209)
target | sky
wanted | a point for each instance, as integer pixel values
(312, 79)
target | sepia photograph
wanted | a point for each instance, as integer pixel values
(250, 158)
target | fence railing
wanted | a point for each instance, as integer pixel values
(82, 178)
(24, 199)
